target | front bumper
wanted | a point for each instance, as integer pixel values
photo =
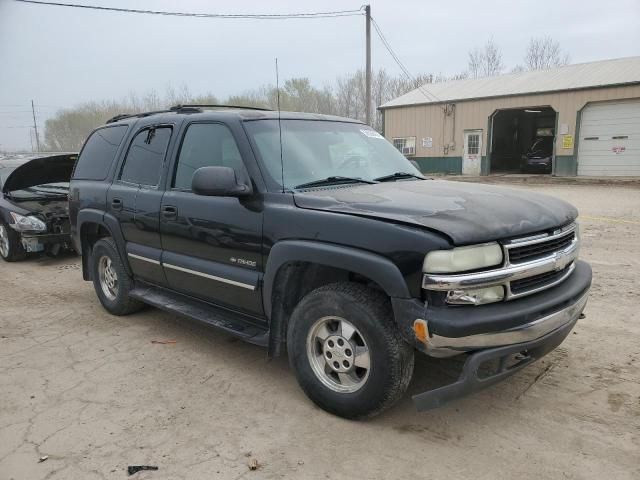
(493, 365)
(527, 327)
(38, 242)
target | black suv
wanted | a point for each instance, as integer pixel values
(315, 233)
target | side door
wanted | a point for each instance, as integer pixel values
(472, 154)
(211, 245)
(135, 197)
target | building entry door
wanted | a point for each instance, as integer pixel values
(472, 152)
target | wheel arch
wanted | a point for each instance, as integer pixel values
(295, 267)
(94, 225)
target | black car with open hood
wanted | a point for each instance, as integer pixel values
(34, 213)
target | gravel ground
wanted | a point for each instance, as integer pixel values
(94, 394)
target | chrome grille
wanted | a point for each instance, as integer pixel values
(537, 250)
(539, 282)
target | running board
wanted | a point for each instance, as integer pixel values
(234, 323)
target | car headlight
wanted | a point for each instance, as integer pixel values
(27, 224)
(463, 259)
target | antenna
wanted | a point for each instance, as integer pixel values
(279, 123)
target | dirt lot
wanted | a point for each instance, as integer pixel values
(93, 392)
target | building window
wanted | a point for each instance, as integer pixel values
(406, 145)
(473, 144)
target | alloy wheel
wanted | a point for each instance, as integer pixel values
(108, 278)
(338, 354)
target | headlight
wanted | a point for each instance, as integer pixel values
(463, 259)
(27, 224)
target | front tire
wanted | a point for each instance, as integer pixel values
(346, 351)
(111, 280)
(10, 247)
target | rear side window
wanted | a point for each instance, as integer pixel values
(98, 153)
(205, 145)
(146, 155)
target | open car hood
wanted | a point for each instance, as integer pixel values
(465, 212)
(40, 171)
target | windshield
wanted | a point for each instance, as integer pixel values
(315, 150)
(542, 145)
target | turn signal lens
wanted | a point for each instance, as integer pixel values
(420, 329)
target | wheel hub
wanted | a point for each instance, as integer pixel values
(338, 353)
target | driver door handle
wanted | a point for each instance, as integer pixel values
(116, 204)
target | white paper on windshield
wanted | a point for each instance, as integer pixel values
(371, 133)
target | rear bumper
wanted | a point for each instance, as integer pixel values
(490, 366)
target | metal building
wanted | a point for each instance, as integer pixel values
(587, 114)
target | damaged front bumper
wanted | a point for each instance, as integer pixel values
(36, 242)
(490, 366)
(499, 339)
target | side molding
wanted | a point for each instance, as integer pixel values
(377, 268)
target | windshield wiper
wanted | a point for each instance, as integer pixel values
(336, 180)
(397, 176)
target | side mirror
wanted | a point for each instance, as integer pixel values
(218, 182)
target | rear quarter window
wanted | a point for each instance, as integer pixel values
(99, 152)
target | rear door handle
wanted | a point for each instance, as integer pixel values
(169, 212)
(116, 204)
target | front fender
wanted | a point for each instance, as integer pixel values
(375, 267)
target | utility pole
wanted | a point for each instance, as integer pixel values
(367, 10)
(35, 125)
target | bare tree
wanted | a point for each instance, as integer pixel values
(485, 62)
(543, 53)
(476, 59)
(492, 64)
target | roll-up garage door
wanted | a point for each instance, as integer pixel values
(609, 142)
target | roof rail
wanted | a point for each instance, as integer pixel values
(190, 106)
(132, 115)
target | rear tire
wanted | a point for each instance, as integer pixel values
(111, 280)
(346, 351)
(10, 246)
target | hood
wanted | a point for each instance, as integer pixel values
(40, 171)
(465, 212)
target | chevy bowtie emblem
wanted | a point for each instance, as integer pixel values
(558, 262)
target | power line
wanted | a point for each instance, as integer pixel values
(428, 95)
(261, 16)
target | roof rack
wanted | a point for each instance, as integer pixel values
(132, 115)
(190, 108)
(213, 105)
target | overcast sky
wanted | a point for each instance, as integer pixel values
(62, 56)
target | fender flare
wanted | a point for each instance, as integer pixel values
(111, 224)
(375, 267)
